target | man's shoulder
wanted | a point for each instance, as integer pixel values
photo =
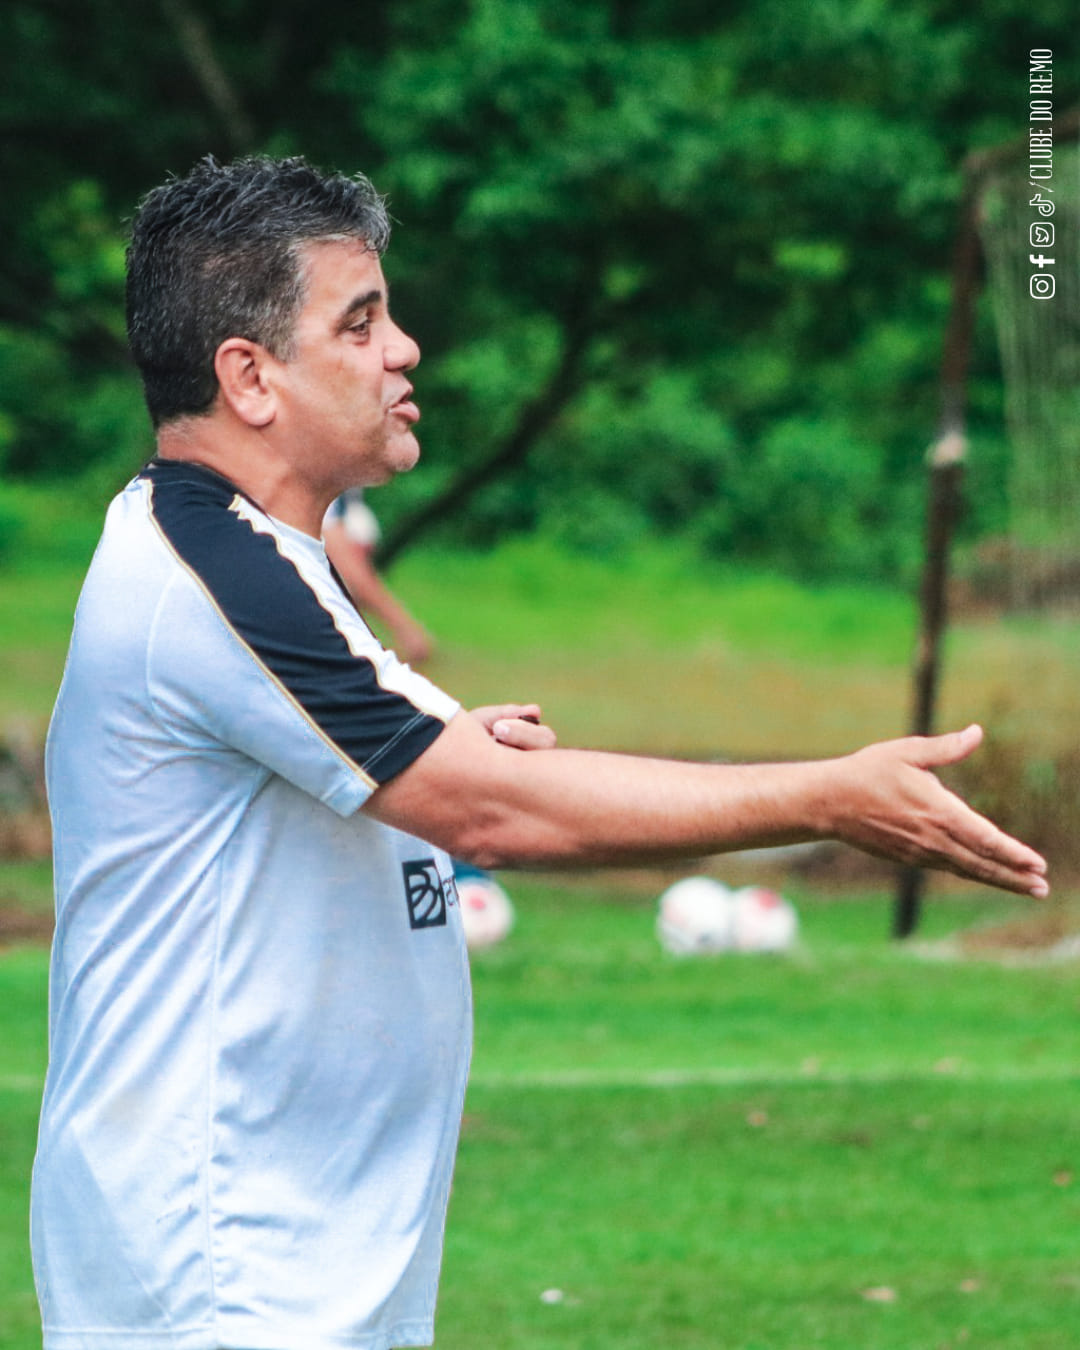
(190, 505)
(165, 499)
(265, 578)
(171, 524)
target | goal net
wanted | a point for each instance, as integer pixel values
(1031, 240)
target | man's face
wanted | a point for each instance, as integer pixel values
(344, 400)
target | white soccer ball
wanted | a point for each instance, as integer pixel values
(762, 920)
(696, 916)
(486, 912)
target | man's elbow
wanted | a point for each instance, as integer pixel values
(510, 841)
(485, 855)
(485, 844)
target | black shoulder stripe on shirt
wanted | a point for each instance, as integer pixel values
(277, 615)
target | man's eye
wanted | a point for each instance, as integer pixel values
(362, 328)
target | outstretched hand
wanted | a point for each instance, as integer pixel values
(890, 803)
(517, 725)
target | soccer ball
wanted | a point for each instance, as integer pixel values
(486, 912)
(762, 921)
(696, 916)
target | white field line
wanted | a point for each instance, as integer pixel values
(568, 1079)
(21, 1082)
(564, 1080)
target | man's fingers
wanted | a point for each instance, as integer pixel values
(1005, 863)
(930, 752)
(491, 713)
(523, 733)
(974, 847)
(902, 810)
(517, 725)
(987, 853)
(1010, 877)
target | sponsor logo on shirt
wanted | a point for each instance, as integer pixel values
(428, 893)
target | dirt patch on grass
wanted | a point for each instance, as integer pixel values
(1046, 931)
(24, 835)
(23, 925)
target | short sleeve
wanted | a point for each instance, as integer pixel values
(256, 647)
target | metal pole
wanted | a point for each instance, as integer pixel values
(946, 477)
(946, 460)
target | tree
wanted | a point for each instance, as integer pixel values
(670, 256)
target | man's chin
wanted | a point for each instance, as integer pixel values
(406, 456)
(401, 460)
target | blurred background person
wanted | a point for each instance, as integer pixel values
(350, 533)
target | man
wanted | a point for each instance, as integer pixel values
(260, 1021)
(350, 534)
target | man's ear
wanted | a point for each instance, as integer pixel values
(241, 369)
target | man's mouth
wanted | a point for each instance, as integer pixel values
(406, 408)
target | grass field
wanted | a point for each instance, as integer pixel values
(749, 664)
(856, 1145)
(853, 1145)
(741, 656)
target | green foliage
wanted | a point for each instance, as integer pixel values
(737, 224)
(46, 531)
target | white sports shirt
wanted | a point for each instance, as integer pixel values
(259, 1010)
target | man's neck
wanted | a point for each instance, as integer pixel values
(245, 459)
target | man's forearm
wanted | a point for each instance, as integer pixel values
(568, 807)
(502, 808)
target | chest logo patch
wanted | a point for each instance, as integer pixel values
(425, 893)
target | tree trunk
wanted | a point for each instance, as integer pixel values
(533, 420)
(194, 40)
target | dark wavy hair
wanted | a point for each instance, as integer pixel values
(217, 254)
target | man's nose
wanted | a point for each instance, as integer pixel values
(401, 351)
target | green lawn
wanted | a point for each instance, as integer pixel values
(22, 1062)
(763, 1216)
(727, 662)
(734, 1152)
(856, 1144)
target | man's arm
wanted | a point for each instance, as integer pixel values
(493, 805)
(371, 595)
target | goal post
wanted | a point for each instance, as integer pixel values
(1018, 234)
